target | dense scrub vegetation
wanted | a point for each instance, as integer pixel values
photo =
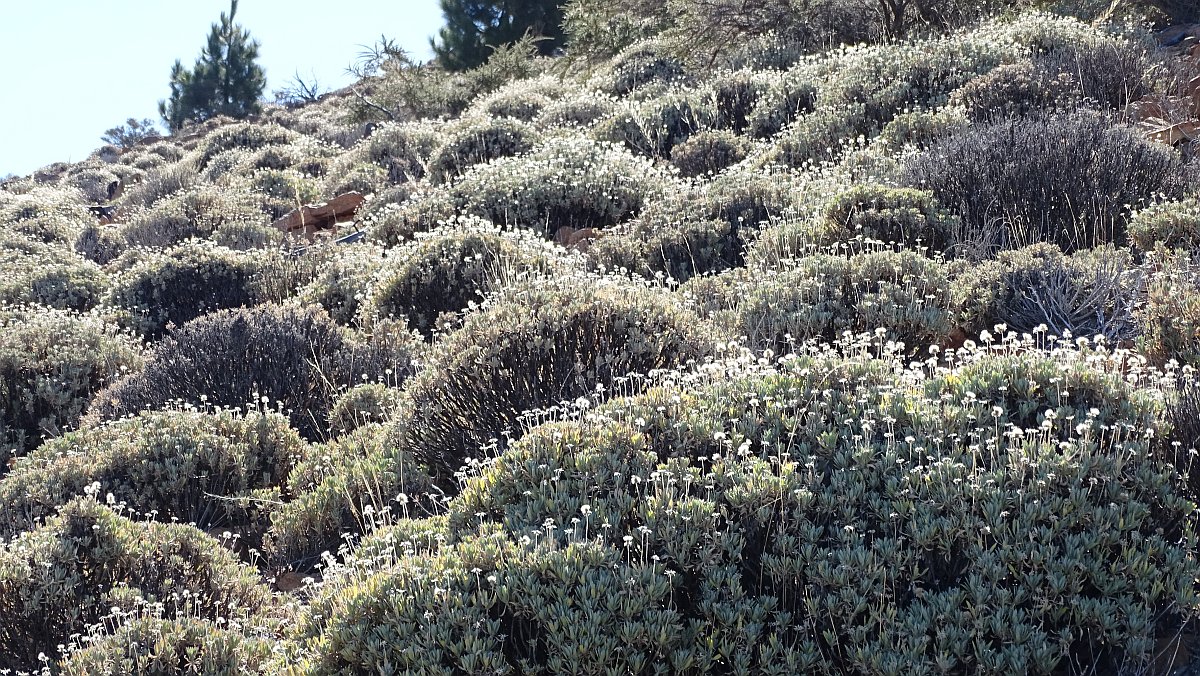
(827, 337)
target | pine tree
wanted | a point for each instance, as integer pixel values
(224, 81)
(474, 27)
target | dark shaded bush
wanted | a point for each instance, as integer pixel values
(734, 95)
(212, 470)
(543, 344)
(62, 578)
(785, 98)
(477, 141)
(100, 244)
(656, 246)
(182, 646)
(1070, 180)
(182, 283)
(51, 365)
(708, 152)
(293, 359)
(1170, 318)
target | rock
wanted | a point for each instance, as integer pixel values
(311, 218)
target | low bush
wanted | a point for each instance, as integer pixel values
(291, 359)
(544, 343)
(1169, 321)
(564, 182)
(64, 577)
(401, 150)
(185, 646)
(363, 405)
(576, 111)
(642, 64)
(100, 244)
(350, 486)
(708, 152)
(1173, 224)
(49, 275)
(422, 211)
(1015, 90)
(904, 296)
(177, 285)
(342, 282)
(241, 136)
(51, 365)
(1039, 288)
(475, 141)
(429, 282)
(212, 470)
(730, 525)
(903, 217)
(195, 213)
(1078, 180)
(45, 214)
(654, 126)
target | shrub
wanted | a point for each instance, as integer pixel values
(362, 405)
(155, 647)
(903, 217)
(1014, 90)
(294, 359)
(1088, 293)
(163, 182)
(522, 100)
(579, 110)
(642, 64)
(182, 283)
(783, 99)
(99, 244)
(427, 283)
(734, 95)
(544, 344)
(654, 126)
(1175, 225)
(65, 576)
(564, 182)
(207, 469)
(241, 136)
(246, 236)
(45, 214)
(53, 276)
(350, 486)
(921, 128)
(729, 524)
(1170, 319)
(818, 137)
(399, 149)
(708, 152)
(281, 190)
(1075, 185)
(423, 211)
(195, 213)
(678, 249)
(51, 364)
(1108, 72)
(477, 141)
(904, 295)
(343, 281)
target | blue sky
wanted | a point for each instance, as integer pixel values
(70, 69)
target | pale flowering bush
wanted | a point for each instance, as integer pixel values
(209, 469)
(88, 562)
(52, 362)
(564, 182)
(472, 141)
(671, 516)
